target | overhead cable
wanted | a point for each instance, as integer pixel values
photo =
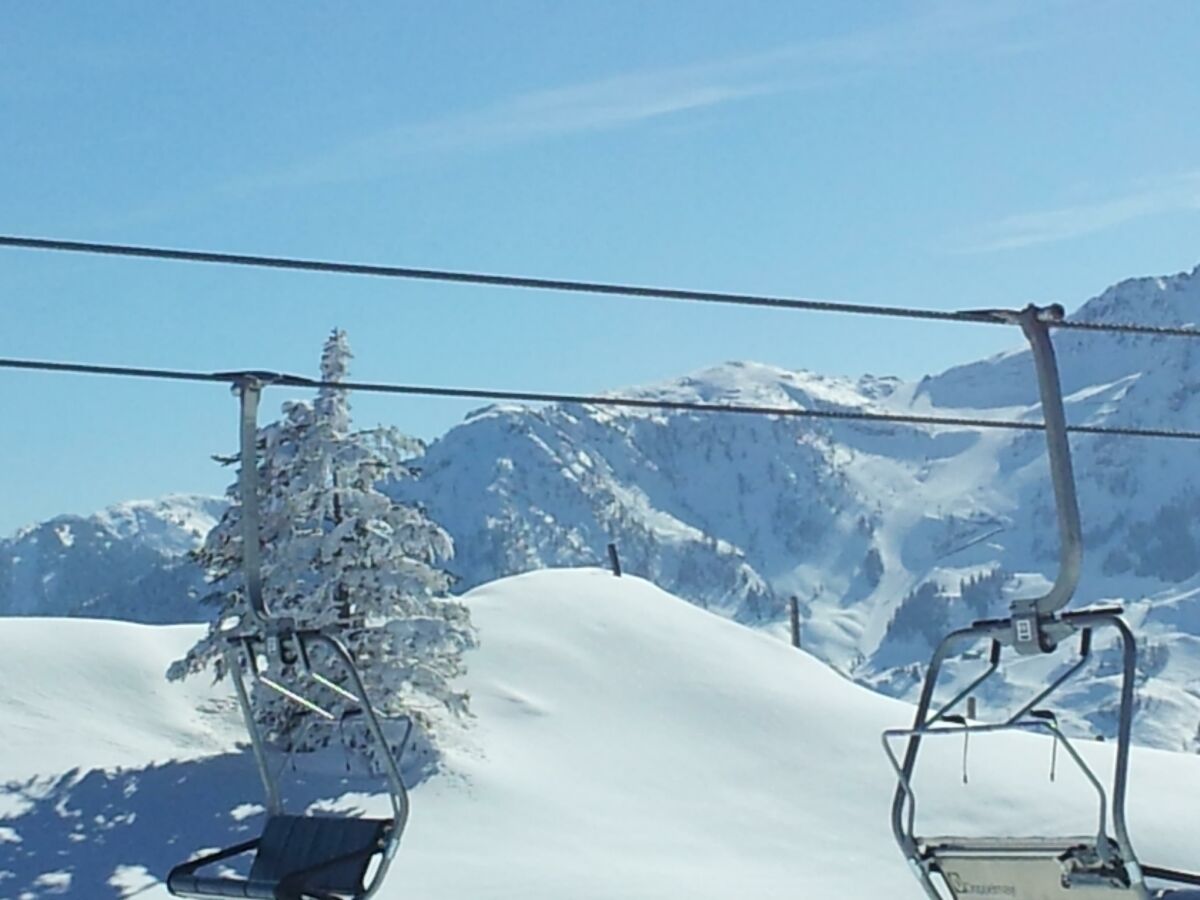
(598, 400)
(982, 316)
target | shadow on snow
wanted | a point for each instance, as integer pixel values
(100, 833)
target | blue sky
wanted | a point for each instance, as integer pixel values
(941, 154)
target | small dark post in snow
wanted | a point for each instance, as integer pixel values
(970, 707)
(794, 605)
(614, 560)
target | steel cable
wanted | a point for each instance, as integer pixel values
(598, 400)
(982, 317)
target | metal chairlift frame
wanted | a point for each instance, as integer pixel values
(1084, 867)
(280, 637)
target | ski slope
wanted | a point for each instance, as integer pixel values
(626, 745)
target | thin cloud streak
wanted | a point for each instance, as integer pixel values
(624, 100)
(1180, 193)
(600, 106)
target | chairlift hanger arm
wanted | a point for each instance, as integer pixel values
(249, 390)
(1062, 475)
(1034, 629)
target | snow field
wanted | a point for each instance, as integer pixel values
(626, 745)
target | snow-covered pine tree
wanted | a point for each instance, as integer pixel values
(336, 551)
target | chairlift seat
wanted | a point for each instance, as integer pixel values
(296, 857)
(1034, 868)
(1039, 868)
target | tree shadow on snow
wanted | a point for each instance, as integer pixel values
(112, 834)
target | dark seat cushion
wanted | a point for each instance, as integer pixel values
(294, 852)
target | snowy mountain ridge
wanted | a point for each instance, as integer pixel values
(888, 533)
(128, 561)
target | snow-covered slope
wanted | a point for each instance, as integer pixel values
(126, 562)
(888, 534)
(627, 744)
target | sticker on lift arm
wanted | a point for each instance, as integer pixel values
(1024, 630)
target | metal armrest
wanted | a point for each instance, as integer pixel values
(188, 869)
(1171, 875)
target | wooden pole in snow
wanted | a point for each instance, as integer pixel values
(614, 560)
(794, 605)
